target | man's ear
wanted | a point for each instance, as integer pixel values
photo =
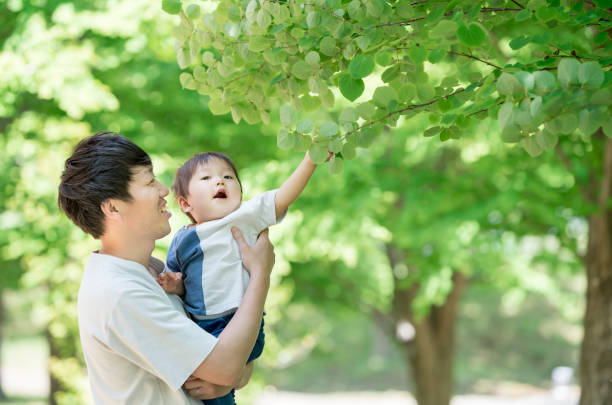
(109, 208)
(184, 204)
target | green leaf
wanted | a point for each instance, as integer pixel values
(304, 126)
(318, 153)
(443, 29)
(384, 58)
(348, 151)
(301, 70)
(193, 11)
(591, 75)
(546, 139)
(544, 81)
(519, 42)
(563, 124)
(313, 58)
(302, 143)
(187, 81)
(384, 95)
(567, 71)
(288, 115)
(531, 146)
(375, 8)
(432, 131)
(258, 43)
(508, 85)
(364, 138)
(218, 107)
(313, 19)
(536, 106)
(171, 6)
(425, 92)
(263, 19)
(390, 74)
(361, 66)
(522, 15)
(349, 87)
(366, 110)
(336, 165)
(589, 120)
(334, 145)
(363, 42)
(511, 133)
(471, 35)
(327, 46)
(418, 54)
(285, 139)
(436, 55)
(407, 92)
(349, 114)
(329, 128)
(526, 79)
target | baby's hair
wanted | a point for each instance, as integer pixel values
(180, 188)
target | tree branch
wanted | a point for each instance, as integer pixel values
(517, 3)
(410, 107)
(475, 58)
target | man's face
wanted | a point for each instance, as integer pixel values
(214, 191)
(146, 215)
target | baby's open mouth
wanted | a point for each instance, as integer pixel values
(220, 194)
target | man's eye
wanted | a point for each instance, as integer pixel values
(152, 182)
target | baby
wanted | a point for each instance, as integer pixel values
(204, 256)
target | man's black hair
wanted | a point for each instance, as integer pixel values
(100, 168)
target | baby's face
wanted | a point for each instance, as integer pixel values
(214, 191)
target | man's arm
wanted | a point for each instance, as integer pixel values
(294, 185)
(225, 363)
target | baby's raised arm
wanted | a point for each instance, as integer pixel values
(294, 185)
(171, 282)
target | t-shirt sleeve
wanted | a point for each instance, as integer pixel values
(172, 262)
(149, 331)
(265, 210)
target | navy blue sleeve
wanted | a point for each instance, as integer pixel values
(172, 262)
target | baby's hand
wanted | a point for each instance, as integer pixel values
(171, 282)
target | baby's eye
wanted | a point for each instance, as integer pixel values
(228, 177)
(205, 178)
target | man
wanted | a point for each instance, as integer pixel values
(139, 346)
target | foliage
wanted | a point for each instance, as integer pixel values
(459, 61)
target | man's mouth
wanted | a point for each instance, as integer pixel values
(220, 194)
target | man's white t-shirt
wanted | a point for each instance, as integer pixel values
(139, 345)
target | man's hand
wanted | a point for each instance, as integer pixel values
(259, 258)
(247, 372)
(200, 389)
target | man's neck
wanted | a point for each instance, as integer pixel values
(138, 251)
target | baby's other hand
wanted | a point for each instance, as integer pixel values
(171, 282)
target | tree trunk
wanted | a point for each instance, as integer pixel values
(596, 351)
(430, 354)
(54, 383)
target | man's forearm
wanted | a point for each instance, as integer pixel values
(225, 363)
(294, 185)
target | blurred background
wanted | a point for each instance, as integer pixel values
(464, 255)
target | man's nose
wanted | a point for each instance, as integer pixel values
(163, 190)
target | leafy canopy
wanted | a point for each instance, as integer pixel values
(539, 67)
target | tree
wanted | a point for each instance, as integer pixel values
(429, 220)
(541, 69)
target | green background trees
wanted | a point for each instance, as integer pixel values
(376, 247)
